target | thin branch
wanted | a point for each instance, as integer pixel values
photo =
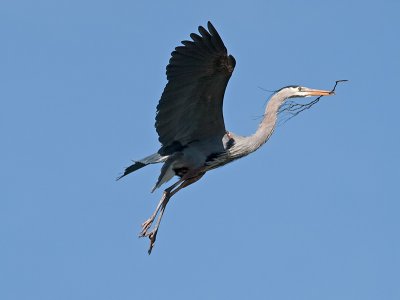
(336, 83)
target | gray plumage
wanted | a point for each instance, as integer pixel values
(190, 122)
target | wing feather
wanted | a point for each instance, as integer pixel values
(190, 108)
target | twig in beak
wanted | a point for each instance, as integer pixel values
(336, 83)
(294, 108)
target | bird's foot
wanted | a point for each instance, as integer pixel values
(150, 234)
(145, 227)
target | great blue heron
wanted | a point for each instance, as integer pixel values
(190, 123)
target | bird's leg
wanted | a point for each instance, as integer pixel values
(147, 224)
(168, 193)
(164, 199)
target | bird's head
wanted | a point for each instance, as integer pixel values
(295, 91)
(283, 103)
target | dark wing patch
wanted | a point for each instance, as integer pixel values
(190, 107)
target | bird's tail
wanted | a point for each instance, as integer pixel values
(152, 159)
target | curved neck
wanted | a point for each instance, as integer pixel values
(267, 126)
(268, 123)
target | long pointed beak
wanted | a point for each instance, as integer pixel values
(312, 92)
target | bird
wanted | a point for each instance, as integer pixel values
(190, 123)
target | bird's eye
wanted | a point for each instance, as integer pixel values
(299, 88)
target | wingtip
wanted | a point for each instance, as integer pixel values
(204, 33)
(195, 37)
(211, 27)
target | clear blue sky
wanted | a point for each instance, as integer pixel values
(314, 214)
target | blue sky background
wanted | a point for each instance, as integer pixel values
(314, 214)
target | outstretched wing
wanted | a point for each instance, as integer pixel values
(190, 108)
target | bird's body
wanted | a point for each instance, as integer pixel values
(190, 121)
